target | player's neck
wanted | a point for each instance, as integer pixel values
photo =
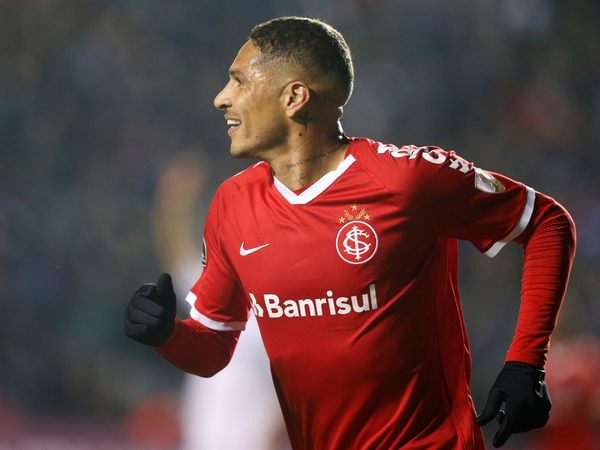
(309, 157)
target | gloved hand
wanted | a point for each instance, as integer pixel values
(150, 315)
(522, 387)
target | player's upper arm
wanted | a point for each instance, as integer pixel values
(444, 194)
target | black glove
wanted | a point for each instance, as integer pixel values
(150, 315)
(522, 387)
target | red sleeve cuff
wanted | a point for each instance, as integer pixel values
(198, 350)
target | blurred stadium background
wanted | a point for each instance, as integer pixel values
(97, 97)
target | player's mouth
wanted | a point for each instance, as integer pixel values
(233, 125)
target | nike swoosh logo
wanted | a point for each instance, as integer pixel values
(245, 252)
(540, 392)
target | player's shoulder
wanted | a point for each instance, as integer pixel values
(379, 153)
(382, 158)
(257, 174)
(411, 168)
(229, 192)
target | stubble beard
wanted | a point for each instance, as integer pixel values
(259, 147)
(246, 151)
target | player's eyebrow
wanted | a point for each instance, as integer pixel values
(238, 74)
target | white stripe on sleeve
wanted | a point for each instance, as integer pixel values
(210, 323)
(521, 225)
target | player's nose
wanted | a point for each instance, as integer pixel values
(223, 99)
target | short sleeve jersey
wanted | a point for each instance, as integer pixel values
(354, 285)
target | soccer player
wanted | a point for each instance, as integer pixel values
(345, 249)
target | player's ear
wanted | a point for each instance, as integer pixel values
(296, 96)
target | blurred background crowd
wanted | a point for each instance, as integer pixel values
(102, 102)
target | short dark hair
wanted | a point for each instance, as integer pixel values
(311, 44)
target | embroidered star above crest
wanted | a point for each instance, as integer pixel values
(362, 214)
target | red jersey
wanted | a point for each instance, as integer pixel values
(354, 285)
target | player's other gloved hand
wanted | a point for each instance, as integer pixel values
(150, 315)
(522, 388)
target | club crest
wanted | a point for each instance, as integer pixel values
(357, 242)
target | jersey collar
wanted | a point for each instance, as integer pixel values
(316, 188)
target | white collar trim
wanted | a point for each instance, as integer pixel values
(317, 188)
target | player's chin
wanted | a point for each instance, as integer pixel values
(239, 149)
(239, 153)
(235, 151)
